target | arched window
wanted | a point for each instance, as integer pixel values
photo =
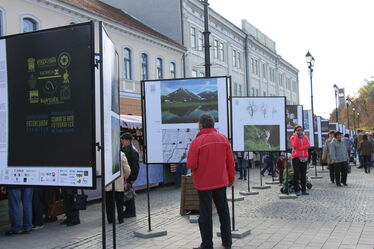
(173, 75)
(159, 68)
(29, 24)
(127, 64)
(144, 65)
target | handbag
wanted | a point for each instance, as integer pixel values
(55, 208)
(129, 193)
(79, 201)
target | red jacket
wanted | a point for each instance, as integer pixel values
(211, 160)
(300, 146)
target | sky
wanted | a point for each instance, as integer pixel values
(195, 86)
(338, 33)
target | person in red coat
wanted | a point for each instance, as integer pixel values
(300, 146)
(212, 163)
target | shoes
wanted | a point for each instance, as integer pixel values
(345, 184)
(73, 223)
(26, 231)
(226, 247)
(50, 219)
(332, 181)
(64, 222)
(297, 193)
(245, 178)
(37, 227)
(129, 215)
(10, 233)
(120, 221)
(305, 193)
(262, 174)
(240, 178)
(338, 185)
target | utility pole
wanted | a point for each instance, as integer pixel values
(206, 38)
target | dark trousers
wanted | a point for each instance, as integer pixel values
(299, 174)
(37, 206)
(181, 170)
(205, 219)
(72, 215)
(130, 207)
(281, 170)
(341, 172)
(332, 172)
(118, 199)
(366, 162)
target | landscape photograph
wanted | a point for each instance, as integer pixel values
(183, 101)
(261, 138)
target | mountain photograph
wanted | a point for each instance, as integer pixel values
(183, 101)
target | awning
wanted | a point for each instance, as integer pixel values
(131, 121)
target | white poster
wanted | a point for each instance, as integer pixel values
(259, 123)
(308, 126)
(294, 116)
(333, 126)
(111, 109)
(318, 133)
(172, 109)
(340, 128)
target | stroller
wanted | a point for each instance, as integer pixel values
(288, 183)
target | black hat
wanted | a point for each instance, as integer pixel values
(127, 136)
(338, 133)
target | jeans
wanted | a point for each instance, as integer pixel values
(15, 197)
(118, 200)
(205, 219)
(341, 172)
(243, 166)
(299, 174)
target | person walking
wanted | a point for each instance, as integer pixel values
(340, 159)
(269, 161)
(300, 146)
(366, 149)
(132, 156)
(119, 188)
(327, 157)
(281, 164)
(348, 144)
(72, 214)
(211, 160)
(20, 223)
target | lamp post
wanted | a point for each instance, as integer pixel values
(358, 120)
(206, 38)
(310, 62)
(336, 89)
(348, 101)
(354, 118)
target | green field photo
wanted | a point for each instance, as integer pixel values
(261, 138)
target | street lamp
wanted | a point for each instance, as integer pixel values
(358, 120)
(354, 118)
(348, 101)
(310, 62)
(336, 89)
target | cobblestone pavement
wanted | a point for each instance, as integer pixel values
(329, 217)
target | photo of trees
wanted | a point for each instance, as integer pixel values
(261, 138)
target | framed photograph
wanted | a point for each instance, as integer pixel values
(294, 114)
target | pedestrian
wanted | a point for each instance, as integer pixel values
(348, 144)
(280, 165)
(358, 140)
(327, 157)
(340, 159)
(132, 156)
(119, 188)
(269, 164)
(239, 159)
(366, 149)
(300, 146)
(180, 171)
(72, 214)
(37, 208)
(20, 223)
(211, 159)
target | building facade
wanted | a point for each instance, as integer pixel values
(245, 53)
(144, 53)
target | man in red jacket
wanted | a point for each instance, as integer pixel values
(300, 146)
(211, 159)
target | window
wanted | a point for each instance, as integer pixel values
(172, 71)
(238, 64)
(159, 68)
(264, 93)
(127, 64)
(29, 24)
(144, 62)
(239, 90)
(234, 58)
(222, 51)
(272, 74)
(256, 92)
(202, 74)
(236, 89)
(253, 66)
(215, 48)
(193, 37)
(253, 91)
(294, 86)
(1, 23)
(281, 79)
(194, 73)
(201, 41)
(264, 71)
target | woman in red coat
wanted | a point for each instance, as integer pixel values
(300, 145)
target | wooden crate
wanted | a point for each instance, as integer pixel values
(189, 196)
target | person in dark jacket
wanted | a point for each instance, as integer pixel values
(132, 156)
(72, 215)
(366, 148)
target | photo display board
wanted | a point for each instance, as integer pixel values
(111, 109)
(171, 112)
(294, 116)
(318, 132)
(324, 130)
(333, 126)
(47, 107)
(259, 123)
(308, 126)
